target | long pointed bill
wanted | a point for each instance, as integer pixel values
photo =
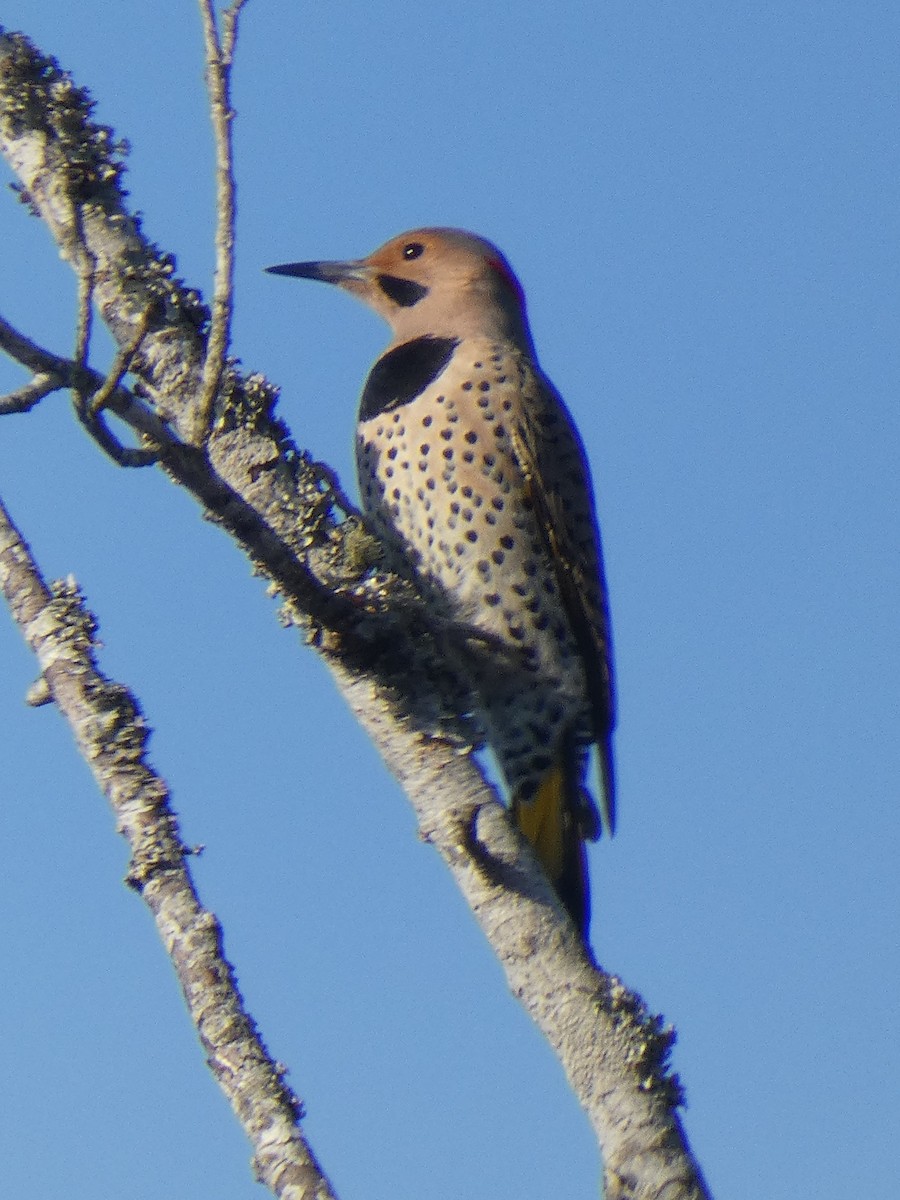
(327, 272)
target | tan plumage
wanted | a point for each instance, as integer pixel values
(472, 471)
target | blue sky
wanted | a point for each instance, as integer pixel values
(701, 201)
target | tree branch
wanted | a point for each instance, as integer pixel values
(111, 735)
(383, 651)
(93, 393)
(219, 60)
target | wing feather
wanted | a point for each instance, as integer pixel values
(557, 479)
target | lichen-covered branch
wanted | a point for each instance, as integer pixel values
(111, 734)
(384, 652)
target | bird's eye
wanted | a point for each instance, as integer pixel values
(413, 250)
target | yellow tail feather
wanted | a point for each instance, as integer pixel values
(541, 819)
(549, 822)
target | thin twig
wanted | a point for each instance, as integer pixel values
(90, 403)
(193, 471)
(230, 20)
(120, 367)
(85, 322)
(219, 59)
(52, 373)
(24, 399)
(111, 733)
(122, 455)
(29, 353)
(329, 477)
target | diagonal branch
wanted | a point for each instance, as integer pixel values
(111, 734)
(385, 658)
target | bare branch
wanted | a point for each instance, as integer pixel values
(90, 405)
(111, 734)
(124, 456)
(29, 353)
(230, 20)
(85, 323)
(119, 369)
(23, 399)
(387, 661)
(219, 58)
(93, 393)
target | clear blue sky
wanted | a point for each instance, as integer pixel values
(702, 203)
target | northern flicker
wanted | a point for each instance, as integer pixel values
(473, 474)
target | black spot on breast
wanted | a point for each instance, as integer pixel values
(404, 373)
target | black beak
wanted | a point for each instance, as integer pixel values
(326, 272)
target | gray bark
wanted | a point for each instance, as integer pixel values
(377, 640)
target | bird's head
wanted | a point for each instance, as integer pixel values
(442, 282)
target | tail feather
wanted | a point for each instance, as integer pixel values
(551, 820)
(607, 784)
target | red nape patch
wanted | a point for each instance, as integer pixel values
(502, 268)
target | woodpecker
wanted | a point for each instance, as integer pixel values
(473, 474)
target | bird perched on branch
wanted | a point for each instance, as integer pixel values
(472, 472)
